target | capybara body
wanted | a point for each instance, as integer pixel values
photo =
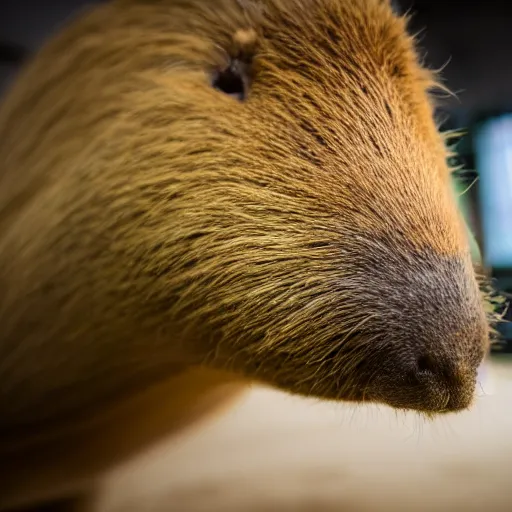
(196, 194)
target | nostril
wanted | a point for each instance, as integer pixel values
(425, 364)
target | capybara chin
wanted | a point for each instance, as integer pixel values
(256, 187)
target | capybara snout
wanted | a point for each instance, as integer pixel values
(428, 336)
(394, 326)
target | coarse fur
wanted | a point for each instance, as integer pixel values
(151, 226)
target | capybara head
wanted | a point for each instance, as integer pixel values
(283, 193)
(317, 237)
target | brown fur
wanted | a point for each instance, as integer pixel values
(149, 224)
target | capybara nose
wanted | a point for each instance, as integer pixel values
(429, 385)
(433, 336)
(452, 383)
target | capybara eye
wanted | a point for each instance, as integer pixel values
(231, 81)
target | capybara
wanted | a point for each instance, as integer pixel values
(200, 194)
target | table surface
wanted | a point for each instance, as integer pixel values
(276, 452)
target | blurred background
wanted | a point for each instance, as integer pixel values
(455, 464)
